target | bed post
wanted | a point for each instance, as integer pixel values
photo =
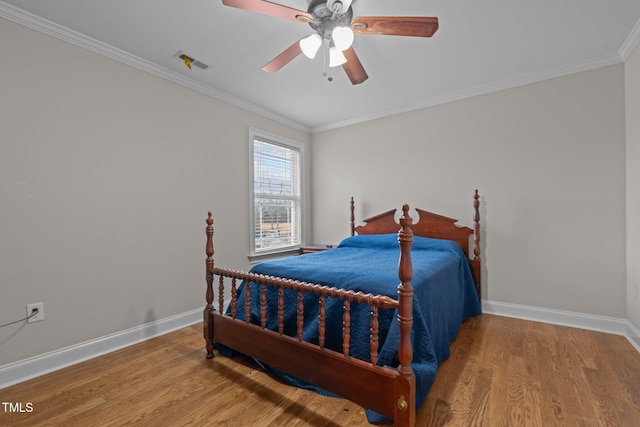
(406, 405)
(353, 218)
(476, 243)
(208, 329)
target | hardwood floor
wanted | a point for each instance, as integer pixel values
(502, 372)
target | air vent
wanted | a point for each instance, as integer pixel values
(190, 61)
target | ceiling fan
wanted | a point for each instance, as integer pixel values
(334, 26)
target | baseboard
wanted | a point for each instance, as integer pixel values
(23, 370)
(633, 335)
(591, 322)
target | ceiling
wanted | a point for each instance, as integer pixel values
(480, 47)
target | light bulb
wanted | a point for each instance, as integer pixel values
(336, 57)
(310, 45)
(342, 37)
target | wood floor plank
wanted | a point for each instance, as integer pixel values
(501, 372)
(546, 369)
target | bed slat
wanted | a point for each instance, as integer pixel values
(263, 305)
(221, 294)
(280, 311)
(247, 304)
(374, 335)
(234, 297)
(346, 328)
(321, 321)
(300, 313)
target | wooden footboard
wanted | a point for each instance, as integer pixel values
(386, 390)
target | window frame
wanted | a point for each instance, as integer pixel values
(270, 138)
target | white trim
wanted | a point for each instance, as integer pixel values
(591, 322)
(37, 23)
(23, 370)
(633, 335)
(631, 42)
(290, 144)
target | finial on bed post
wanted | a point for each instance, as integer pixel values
(476, 242)
(353, 218)
(208, 334)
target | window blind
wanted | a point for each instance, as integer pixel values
(276, 192)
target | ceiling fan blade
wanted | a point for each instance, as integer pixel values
(353, 67)
(283, 59)
(415, 26)
(271, 9)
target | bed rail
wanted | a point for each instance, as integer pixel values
(302, 288)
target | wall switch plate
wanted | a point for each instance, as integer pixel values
(39, 316)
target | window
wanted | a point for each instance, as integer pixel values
(276, 192)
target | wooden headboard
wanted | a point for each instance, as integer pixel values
(431, 225)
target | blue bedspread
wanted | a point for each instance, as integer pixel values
(444, 295)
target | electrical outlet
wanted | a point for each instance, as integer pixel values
(38, 309)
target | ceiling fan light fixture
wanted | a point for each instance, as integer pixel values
(310, 45)
(342, 37)
(336, 57)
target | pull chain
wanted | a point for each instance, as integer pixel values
(325, 54)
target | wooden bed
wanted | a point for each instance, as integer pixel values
(389, 391)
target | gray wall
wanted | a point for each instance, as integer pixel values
(106, 176)
(632, 90)
(549, 161)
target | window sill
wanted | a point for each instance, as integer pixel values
(254, 259)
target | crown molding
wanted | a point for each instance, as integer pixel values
(55, 30)
(548, 74)
(50, 28)
(631, 42)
